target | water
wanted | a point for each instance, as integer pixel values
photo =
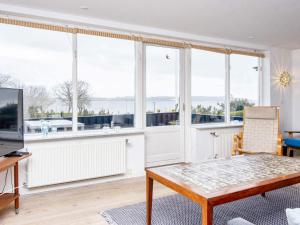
(153, 105)
(126, 105)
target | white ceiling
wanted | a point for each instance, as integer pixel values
(264, 22)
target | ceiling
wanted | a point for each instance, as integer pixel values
(263, 22)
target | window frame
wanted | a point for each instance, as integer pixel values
(226, 89)
(228, 92)
(23, 83)
(185, 58)
(181, 89)
(227, 75)
(136, 50)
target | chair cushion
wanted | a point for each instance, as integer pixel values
(261, 112)
(293, 216)
(292, 142)
(239, 221)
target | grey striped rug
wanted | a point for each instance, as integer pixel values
(178, 210)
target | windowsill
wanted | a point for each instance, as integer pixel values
(216, 125)
(81, 134)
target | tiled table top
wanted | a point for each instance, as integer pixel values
(215, 175)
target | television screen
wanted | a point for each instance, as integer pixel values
(11, 120)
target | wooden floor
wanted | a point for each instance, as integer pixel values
(80, 206)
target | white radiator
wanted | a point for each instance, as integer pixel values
(73, 160)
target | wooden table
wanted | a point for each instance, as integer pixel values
(7, 198)
(217, 182)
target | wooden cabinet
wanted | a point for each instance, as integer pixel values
(7, 198)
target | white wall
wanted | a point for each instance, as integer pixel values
(287, 98)
(281, 60)
(296, 88)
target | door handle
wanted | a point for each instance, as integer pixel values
(214, 134)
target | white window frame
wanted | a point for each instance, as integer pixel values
(185, 59)
(259, 88)
(139, 85)
(227, 121)
(137, 124)
(181, 89)
(74, 83)
(260, 81)
(185, 76)
(227, 90)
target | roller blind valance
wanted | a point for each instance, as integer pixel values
(144, 39)
(36, 25)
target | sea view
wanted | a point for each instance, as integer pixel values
(126, 105)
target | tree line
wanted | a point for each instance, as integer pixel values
(37, 98)
(236, 108)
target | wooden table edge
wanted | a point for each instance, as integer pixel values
(255, 189)
(236, 193)
(207, 203)
(206, 206)
(176, 187)
(12, 160)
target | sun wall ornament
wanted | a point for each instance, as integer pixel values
(284, 79)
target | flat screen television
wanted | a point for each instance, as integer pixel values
(11, 120)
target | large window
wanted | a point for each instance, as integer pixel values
(162, 86)
(208, 83)
(44, 64)
(106, 78)
(208, 87)
(38, 61)
(244, 84)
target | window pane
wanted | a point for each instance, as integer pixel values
(38, 61)
(162, 86)
(106, 71)
(244, 84)
(208, 87)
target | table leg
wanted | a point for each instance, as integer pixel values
(207, 214)
(16, 187)
(149, 198)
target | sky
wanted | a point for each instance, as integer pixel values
(42, 57)
(9, 97)
(208, 75)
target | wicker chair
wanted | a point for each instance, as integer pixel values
(261, 132)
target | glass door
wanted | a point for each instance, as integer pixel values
(162, 86)
(163, 108)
